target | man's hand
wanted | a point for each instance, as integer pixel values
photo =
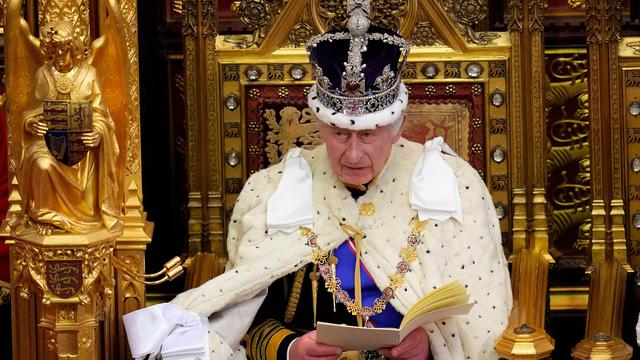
(414, 347)
(306, 347)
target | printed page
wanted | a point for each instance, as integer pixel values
(361, 338)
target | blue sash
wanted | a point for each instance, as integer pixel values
(346, 263)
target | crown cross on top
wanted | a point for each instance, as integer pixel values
(357, 69)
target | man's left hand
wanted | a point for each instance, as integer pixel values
(413, 347)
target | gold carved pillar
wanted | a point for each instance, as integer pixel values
(525, 337)
(131, 245)
(206, 213)
(62, 296)
(609, 264)
(67, 301)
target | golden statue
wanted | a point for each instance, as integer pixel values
(66, 137)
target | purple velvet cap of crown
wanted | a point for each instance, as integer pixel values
(331, 57)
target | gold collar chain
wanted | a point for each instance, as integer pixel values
(326, 263)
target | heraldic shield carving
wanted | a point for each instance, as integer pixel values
(67, 121)
(64, 277)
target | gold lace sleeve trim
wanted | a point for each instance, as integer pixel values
(264, 340)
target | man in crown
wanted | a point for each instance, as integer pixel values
(412, 217)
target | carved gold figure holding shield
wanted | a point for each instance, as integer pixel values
(69, 169)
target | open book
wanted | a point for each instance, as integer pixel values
(446, 301)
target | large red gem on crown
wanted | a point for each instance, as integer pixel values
(352, 85)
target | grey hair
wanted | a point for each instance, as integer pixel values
(396, 126)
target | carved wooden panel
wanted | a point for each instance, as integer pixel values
(569, 188)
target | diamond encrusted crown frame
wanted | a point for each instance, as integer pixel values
(352, 98)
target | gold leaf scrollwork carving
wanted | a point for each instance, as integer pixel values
(573, 132)
(86, 342)
(632, 78)
(584, 236)
(499, 182)
(294, 127)
(467, 14)
(97, 271)
(498, 126)
(570, 132)
(635, 248)
(409, 71)
(497, 69)
(333, 12)
(67, 313)
(568, 161)
(129, 14)
(52, 343)
(576, 196)
(594, 36)
(300, 34)
(633, 135)
(390, 12)
(563, 220)
(192, 128)
(634, 192)
(12, 156)
(536, 15)
(128, 288)
(97, 276)
(425, 34)
(231, 72)
(232, 129)
(233, 185)
(514, 17)
(452, 70)
(275, 72)
(28, 265)
(74, 11)
(213, 137)
(614, 19)
(260, 15)
(209, 18)
(386, 13)
(571, 203)
(189, 27)
(570, 68)
(577, 4)
(635, 45)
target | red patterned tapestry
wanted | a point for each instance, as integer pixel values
(278, 119)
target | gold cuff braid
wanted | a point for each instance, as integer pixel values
(264, 340)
